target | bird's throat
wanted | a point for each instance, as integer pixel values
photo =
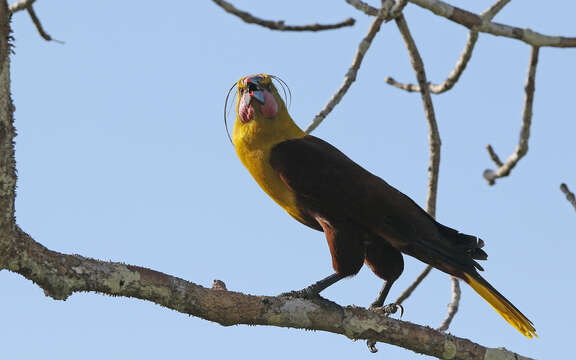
(246, 107)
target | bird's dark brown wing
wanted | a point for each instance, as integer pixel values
(328, 184)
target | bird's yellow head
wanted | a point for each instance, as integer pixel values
(261, 114)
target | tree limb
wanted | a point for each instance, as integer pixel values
(522, 148)
(61, 275)
(473, 21)
(279, 25)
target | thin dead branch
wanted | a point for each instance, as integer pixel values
(350, 76)
(279, 25)
(569, 195)
(522, 148)
(27, 5)
(410, 289)
(433, 134)
(493, 155)
(452, 306)
(462, 62)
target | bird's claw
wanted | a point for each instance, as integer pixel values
(386, 310)
(389, 309)
(305, 293)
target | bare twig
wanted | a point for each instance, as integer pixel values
(413, 286)
(522, 148)
(279, 25)
(569, 195)
(350, 76)
(493, 155)
(453, 306)
(462, 62)
(39, 27)
(473, 21)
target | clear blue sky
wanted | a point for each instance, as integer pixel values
(122, 156)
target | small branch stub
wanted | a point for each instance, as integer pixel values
(569, 194)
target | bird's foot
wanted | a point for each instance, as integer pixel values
(388, 309)
(305, 293)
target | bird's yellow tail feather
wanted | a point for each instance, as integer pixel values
(502, 306)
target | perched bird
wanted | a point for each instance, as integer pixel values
(364, 219)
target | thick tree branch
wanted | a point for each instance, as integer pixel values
(569, 194)
(61, 275)
(350, 76)
(279, 25)
(522, 148)
(462, 62)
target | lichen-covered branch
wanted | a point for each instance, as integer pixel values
(350, 76)
(279, 25)
(462, 62)
(569, 194)
(522, 148)
(61, 275)
(7, 131)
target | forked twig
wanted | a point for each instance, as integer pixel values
(522, 148)
(462, 62)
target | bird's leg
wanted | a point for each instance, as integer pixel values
(315, 289)
(378, 304)
(389, 309)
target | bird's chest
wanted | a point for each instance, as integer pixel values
(257, 161)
